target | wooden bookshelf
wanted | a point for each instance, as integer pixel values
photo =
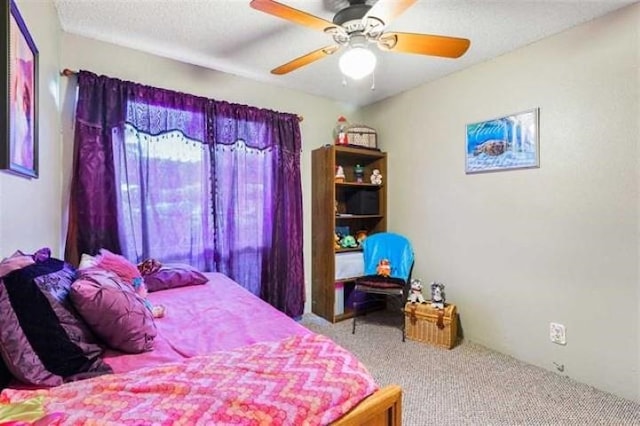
(329, 195)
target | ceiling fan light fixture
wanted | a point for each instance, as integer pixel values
(357, 62)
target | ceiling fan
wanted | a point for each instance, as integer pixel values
(356, 27)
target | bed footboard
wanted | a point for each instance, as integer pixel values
(381, 408)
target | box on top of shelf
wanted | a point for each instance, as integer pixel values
(361, 135)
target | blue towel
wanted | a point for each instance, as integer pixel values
(388, 245)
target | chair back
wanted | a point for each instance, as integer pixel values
(387, 245)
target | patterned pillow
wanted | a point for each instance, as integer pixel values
(114, 311)
(173, 275)
(17, 260)
(42, 340)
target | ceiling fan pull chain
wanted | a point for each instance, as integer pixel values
(373, 80)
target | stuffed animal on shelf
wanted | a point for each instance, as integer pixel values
(360, 236)
(376, 177)
(348, 241)
(437, 295)
(384, 268)
(336, 242)
(415, 294)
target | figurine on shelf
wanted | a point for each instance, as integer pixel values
(340, 131)
(336, 242)
(340, 174)
(376, 177)
(358, 171)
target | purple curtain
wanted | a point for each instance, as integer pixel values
(256, 162)
(162, 175)
(100, 116)
(187, 179)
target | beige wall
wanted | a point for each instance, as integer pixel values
(516, 249)
(30, 208)
(102, 58)
(520, 249)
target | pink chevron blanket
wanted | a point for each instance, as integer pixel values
(301, 380)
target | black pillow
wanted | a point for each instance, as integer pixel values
(43, 341)
(5, 375)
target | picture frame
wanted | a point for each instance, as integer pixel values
(504, 143)
(18, 95)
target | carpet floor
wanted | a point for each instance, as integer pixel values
(470, 384)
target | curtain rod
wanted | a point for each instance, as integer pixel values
(68, 73)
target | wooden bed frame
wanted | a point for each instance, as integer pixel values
(383, 408)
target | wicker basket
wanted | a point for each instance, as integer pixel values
(363, 136)
(424, 323)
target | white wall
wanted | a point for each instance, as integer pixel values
(30, 208)
(115, 61)
(520, 249)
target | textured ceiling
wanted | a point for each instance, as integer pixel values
(230, 36)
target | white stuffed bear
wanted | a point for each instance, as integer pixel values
(376, 177)
(437, 295)
(415, 295)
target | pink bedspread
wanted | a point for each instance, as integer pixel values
(301, 380)
(203, 319)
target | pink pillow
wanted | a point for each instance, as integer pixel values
(173, 275)
(113, 311)
(117, 264)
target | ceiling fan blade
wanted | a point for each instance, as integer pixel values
(290, 14)
(387, 10)
(424, 44)
(305, 60)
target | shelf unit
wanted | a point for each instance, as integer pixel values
(330, 210)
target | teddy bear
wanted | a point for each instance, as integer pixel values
(376, 177)
(415, 294)
(437, 295)
(384, 268)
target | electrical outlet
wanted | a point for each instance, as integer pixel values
(557, 333)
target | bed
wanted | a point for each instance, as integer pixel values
(223, 356)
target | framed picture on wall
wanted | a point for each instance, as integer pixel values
(18, 95)
(504, 143)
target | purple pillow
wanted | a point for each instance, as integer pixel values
(43, 341)
(173, 275)
(14, 262)
(113, 310)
